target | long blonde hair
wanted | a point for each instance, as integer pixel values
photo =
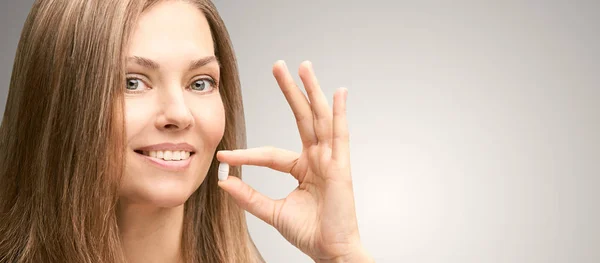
(62, 142)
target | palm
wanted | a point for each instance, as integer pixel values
(318, 216)
(310, 217)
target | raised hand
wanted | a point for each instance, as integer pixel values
(319, 216)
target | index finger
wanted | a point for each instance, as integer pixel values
(270, 157)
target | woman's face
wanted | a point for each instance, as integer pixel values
(173, 110)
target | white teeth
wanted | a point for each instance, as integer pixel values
(168, 155)
(176, 156)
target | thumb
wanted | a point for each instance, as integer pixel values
(249, 199)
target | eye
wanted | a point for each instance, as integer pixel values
(203, 85)
(135, 85)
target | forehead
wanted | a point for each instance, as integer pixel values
(171, 29)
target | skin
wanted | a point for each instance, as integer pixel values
(161, 106)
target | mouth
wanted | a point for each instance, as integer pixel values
(168, 156)
(170, 161)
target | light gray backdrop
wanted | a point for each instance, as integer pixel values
(474, 124)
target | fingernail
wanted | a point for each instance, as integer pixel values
(284, 65)
(309, 65)
(223, 171)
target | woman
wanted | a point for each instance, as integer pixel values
(118, 114)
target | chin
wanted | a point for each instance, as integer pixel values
(147, 183)
(169, 200)
(162, 195)
(160, 190)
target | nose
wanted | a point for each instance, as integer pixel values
(175, 114)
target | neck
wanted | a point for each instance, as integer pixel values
(150, 234)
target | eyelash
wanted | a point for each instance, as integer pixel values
(213, 83)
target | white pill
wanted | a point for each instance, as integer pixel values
(223, 171)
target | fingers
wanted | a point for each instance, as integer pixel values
(318, 102)
(249, 199)
(341, 145)
(274, 158)
(298, 102)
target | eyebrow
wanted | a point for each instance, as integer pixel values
(151, 64)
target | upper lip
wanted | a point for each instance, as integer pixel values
(169, 147)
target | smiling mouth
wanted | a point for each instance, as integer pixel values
(167, 155)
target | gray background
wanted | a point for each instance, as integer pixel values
(474, 124)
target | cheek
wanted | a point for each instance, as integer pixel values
(135, 119)
(209, 117)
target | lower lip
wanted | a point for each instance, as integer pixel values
(169, 165)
